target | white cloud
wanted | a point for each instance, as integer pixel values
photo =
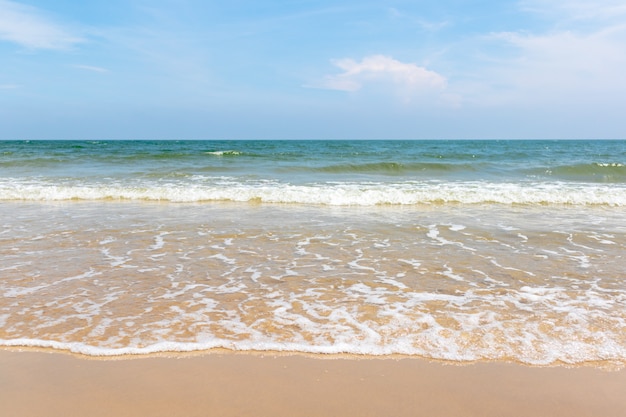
(8, 86)
(579, 59)
(593, 55)
(27, 26)
(381, 68)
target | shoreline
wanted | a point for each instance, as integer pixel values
(601, 365)
(225, 383)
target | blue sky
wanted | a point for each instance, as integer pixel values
(193, 69)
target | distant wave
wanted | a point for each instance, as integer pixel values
(332, 194)
(397, 168)
(224, 153)
(593, 172)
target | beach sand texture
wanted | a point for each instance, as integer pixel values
(230, 384)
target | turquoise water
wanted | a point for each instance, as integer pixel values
(307, 161)
(455, 250)
(317, 172)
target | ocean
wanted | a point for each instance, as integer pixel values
(449, 250)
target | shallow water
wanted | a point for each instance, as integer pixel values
(456, 250)
(531, 284)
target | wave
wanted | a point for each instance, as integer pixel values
(398, 168)
(331, 194)
(592, 172)
(611, 352)
(224, 153)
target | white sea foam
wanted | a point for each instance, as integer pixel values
(16, 292)
(222, 153)
(334, 194)
(535, 285)
(485, 326)
(159, 242)
(614, 164)
(475, 340)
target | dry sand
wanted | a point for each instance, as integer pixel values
(232, 384)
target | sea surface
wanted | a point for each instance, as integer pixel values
(451, 250)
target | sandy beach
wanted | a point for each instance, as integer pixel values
(231, 384)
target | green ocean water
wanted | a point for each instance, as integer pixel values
(354, 172)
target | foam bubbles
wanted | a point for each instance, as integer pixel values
(206, 189)
(538, 286)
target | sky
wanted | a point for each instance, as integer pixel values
(312, 69)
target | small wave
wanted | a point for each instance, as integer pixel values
(224, 153)
(614, 172)
(614, 164)
(397, 168)
(331, 194)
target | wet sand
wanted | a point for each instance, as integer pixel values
(233, 384)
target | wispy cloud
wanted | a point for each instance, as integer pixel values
(8, 86)
(380, 68)
(568, 59)
(577, 9)
(29, 27)
(424, 24)
(568, 62)
(91, 68)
